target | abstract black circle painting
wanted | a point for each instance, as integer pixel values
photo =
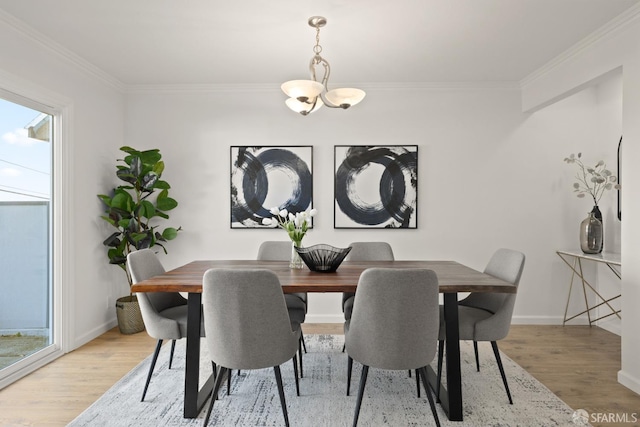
(376, 186)
(267, 177)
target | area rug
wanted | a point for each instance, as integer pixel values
(390, 396)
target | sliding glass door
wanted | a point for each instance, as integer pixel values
(26, 302)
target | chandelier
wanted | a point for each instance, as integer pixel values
(307, 96)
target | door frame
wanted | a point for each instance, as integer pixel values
(20, 91)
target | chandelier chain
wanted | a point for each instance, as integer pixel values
(317, 48)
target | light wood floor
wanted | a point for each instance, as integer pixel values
(577, 363)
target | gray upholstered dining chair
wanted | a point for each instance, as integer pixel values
(164, 313)
(394, 325)
(271, 250)
(487, 316)
(297, 303)
(247, 325)
(364, 251)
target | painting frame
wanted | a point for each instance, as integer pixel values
(267, 176)
(375, 187)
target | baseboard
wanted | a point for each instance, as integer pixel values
(94, 333)
(516, 320)
(629, 381)
(546, 320)
(324, 318)
(612, 326)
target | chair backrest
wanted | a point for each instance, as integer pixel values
(505, 264)
(144, 264)
(271, 250)
(274, 251)
(370, 251)
(395, 319)
(246, 319)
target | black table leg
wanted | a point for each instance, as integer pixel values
(194, 398)
(451, 396)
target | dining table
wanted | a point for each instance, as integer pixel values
(453, 278)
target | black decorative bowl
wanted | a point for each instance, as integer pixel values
(323, 258)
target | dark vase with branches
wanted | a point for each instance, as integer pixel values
(592, 182)
(133, 209)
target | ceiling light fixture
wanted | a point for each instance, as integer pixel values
(307, 96)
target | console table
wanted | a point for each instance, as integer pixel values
(573, 259)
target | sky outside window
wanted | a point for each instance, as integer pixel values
(25, 162)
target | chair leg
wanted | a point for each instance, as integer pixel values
(439, 376)
(504, 377)
(475, 350)
(214, 367)
(363, 381)
(304, 345)
(153, 365)
(229, 383)
(300, 352)
(295, 373)
(214, 393)
(432, 404)
(349, 370)
(417, 383)
(343, 347)
(173, 347)
(276, 369)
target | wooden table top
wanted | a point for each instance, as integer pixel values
(452, 276)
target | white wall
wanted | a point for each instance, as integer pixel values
(489, 175)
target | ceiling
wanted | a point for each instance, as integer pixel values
(172, 42)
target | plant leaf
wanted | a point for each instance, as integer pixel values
(166, 203)
(146, 209)
(170, 233)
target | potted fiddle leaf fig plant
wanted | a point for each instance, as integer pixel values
(133, 210)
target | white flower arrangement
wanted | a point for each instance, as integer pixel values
(296, 225)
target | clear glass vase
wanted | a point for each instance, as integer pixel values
(591, 234)
(295, 261)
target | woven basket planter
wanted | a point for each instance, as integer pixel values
(129, 316)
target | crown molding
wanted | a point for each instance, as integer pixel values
(610, 29)
(201, 88)
(78, 62)
(441, 85)
(255, 88)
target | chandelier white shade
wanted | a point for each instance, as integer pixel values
(303, 107)
(345, 96)
(298, 89)
(307, 96)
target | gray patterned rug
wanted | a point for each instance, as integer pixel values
(390, 396)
